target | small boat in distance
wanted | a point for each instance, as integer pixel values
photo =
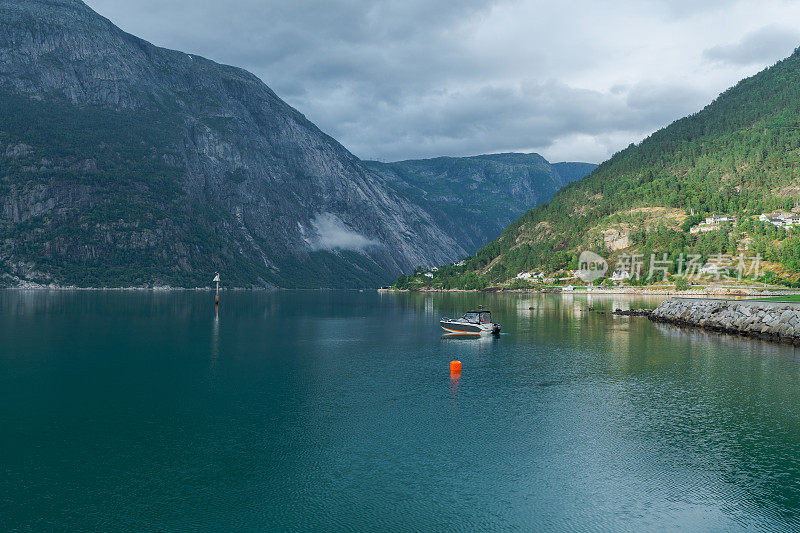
(476, 322)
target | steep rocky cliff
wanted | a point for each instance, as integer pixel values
(122, 163)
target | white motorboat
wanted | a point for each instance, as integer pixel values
(478, 322)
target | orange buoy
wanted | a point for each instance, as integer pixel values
(455, 368)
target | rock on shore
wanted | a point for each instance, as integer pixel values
(775, 321)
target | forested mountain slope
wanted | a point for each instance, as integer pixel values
(738, 156)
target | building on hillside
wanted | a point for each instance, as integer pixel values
(776, 221)
(524, 275)
(568, 288)
(712, 223)
(620, 275)
(710, 269)
(780, 219)
(792, 219)
(428, 274)
(702, 228)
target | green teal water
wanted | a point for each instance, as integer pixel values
(330, 411)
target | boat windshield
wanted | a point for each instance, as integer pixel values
(482, 317)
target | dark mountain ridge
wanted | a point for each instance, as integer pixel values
(474, 198)
(126, 164)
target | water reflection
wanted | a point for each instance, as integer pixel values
(215, 336)
(472, 337)
(525, 308)
(455, 385)
(429, 306)
(573, 419)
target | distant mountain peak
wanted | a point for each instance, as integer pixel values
(475, 197)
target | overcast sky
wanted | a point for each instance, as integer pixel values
(406, 79)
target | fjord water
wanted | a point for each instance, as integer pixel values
(335, 410)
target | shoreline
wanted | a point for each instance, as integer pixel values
(730, 293)
(166, 288)
(692, 293)
(769, 321)
(66, 288)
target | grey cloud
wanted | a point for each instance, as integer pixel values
(684, 8)
(765, 45)
(507, 119)
(400, 79)
(660, 103)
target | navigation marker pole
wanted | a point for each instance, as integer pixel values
(216, 297)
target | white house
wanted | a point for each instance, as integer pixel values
(428, 274)
(620, 275)
(711, 223)
(709, 268)
(792, 220)
(702, 228)
(779, 219)
(524, 275)
(779, 222)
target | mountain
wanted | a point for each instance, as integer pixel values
(570, 171)
(475, 198)
(738, 156)
(126, 164)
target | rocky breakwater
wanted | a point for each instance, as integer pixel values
(774, 321)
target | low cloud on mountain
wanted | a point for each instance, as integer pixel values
(330, 233)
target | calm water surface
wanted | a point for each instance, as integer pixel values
(336, 411)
